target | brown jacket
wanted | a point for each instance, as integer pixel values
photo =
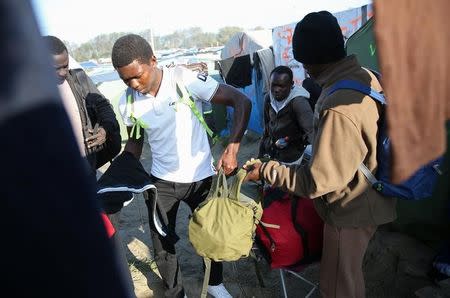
(345, 135)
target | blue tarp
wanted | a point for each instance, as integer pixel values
(88, 64)
(255, 93)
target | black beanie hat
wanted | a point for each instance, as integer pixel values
(318, 39)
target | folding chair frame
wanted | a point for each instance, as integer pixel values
(283, 284)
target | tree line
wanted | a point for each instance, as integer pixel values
(101, 45)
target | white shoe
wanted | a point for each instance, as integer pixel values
(219, 291)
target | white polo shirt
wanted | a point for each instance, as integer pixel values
(178, 142)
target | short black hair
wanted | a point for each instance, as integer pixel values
(283, 69)
(54, 44)
(130, 47)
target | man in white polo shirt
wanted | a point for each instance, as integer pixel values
(182, 166)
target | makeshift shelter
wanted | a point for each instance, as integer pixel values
(246, 63)
(243, 43)
(362, 44)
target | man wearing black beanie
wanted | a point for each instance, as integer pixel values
(344, 137)
(318, 39)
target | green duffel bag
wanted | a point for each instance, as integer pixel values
(222, 228)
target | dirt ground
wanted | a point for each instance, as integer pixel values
(395, 265)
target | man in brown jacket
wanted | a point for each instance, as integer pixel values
(345, 135)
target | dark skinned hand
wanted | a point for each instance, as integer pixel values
(253, 170)
(97, 139)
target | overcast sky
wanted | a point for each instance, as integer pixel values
(80, 20)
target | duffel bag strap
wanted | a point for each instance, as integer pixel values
(206, 278)
(220, 186)
(235, 189)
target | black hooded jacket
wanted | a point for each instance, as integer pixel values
(95, 109)
(294, 121)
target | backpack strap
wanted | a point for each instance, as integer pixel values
(186, 98)
(377, 96)
(206, 278)
(138, 124)
(369, 175)
(360, 87)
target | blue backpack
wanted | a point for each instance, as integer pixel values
(418, 186)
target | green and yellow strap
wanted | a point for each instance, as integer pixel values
(138, 124)
(187, 99)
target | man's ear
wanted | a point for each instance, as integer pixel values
(153, 60)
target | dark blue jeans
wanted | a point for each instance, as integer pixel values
(170, 194)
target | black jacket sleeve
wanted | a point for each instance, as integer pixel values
(304, 116)
(102, 108)
(265, 139)
(101, 111)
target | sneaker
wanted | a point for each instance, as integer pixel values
(219, 291)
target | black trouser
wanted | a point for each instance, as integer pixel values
(170, 194)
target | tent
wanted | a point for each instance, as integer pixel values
(246, 63)
(243, 43)
(362, 44)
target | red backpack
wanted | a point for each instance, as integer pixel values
(290, 233)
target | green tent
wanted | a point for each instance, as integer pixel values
(362, 44)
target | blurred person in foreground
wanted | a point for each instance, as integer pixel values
(94, 124)
(345, 135)
(55, 242)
